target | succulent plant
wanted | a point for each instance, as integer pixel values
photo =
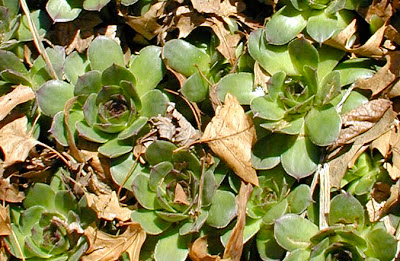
(299, 109)
(321, 19)
(48, 225)
(348, 236)
(10, 20)
(112, 103)
(178, 190)
(66, 11)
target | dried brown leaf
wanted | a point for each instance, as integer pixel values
(216, 7)
(234, 247)
(372, 48)
(106, 247)
(227, 41)
(15, 141)
(198, 251)
(382, 8)
(231, 135)
(382, 144)
(9, 101)
(107, 207)
(338, 164)
(147, 24)
(377, 208)
(384, 77)
(261, 77)
(361, 119)
(5, 223)
(10, 192)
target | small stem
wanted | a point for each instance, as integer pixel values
(36, 39)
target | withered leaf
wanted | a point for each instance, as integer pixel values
(234, 247)
(384, 77)
(227, 41)
(147, 24)
(372, 48)
(377, 208)
(383, 9)
(106, 247)
(216, 7)
(198, 251)
(9, 101)
(15, 141)
(107, 207)
(231, 135)
(361, 119)
(338, 164)
(10, 192)
(382, 143)
(5, 223)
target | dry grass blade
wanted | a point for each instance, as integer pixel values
(36, 39)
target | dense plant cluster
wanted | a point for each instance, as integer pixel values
(199, 130)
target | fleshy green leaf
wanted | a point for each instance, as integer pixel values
(303, 53)
(238, 84)
(195, 88)
(103, 52)
(159, 151)
(114, 74)
(148, 69)
(154, 103)
(321, 26)
(285, 25)
(74, 66)
(158, 173)
(172, 246)
(115, 148)
(301, 159)
(323, 125)
(329, 89)
(40, 195)
(143, 194)
(346, 209)
(94, 5)
(54, 88)
(299, 199)
(267, 109)
(272, 58)
(267, 246)
(222, 210)
(149, 221)
(88, 83)
(185, 58)
(293, 232)
(251, 228)
(63, 10)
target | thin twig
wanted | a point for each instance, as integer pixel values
(36, 39)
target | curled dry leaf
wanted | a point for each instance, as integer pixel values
(15, 141)
(384, 77)
(216, 7)
(106, 247)
(339, 162)
(361, 119)
(382, 9)
(9, 101)
(175, 127)
(377, 208)
(147, 24)
(107, 207)
(234, 247)
(382, 144)
(5, 223)
(231, 135)
(10, 192)
(372, 48)
(198, 251)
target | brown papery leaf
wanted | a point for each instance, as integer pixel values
(361, 119)
(227, 41)
(382, 144)
(9, 101)
(5, 223)
(15, 141)
(377, 208)
(234, 247)
(339, 164)
(198, 251)
(224, 8)
(10, 192)
(383, 9)
(107, 207)
(106, 247)
(147, 24)
(231, 135)
(384, 77)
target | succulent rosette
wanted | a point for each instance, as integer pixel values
(110, 104)
(179, 190)
(49, 226)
